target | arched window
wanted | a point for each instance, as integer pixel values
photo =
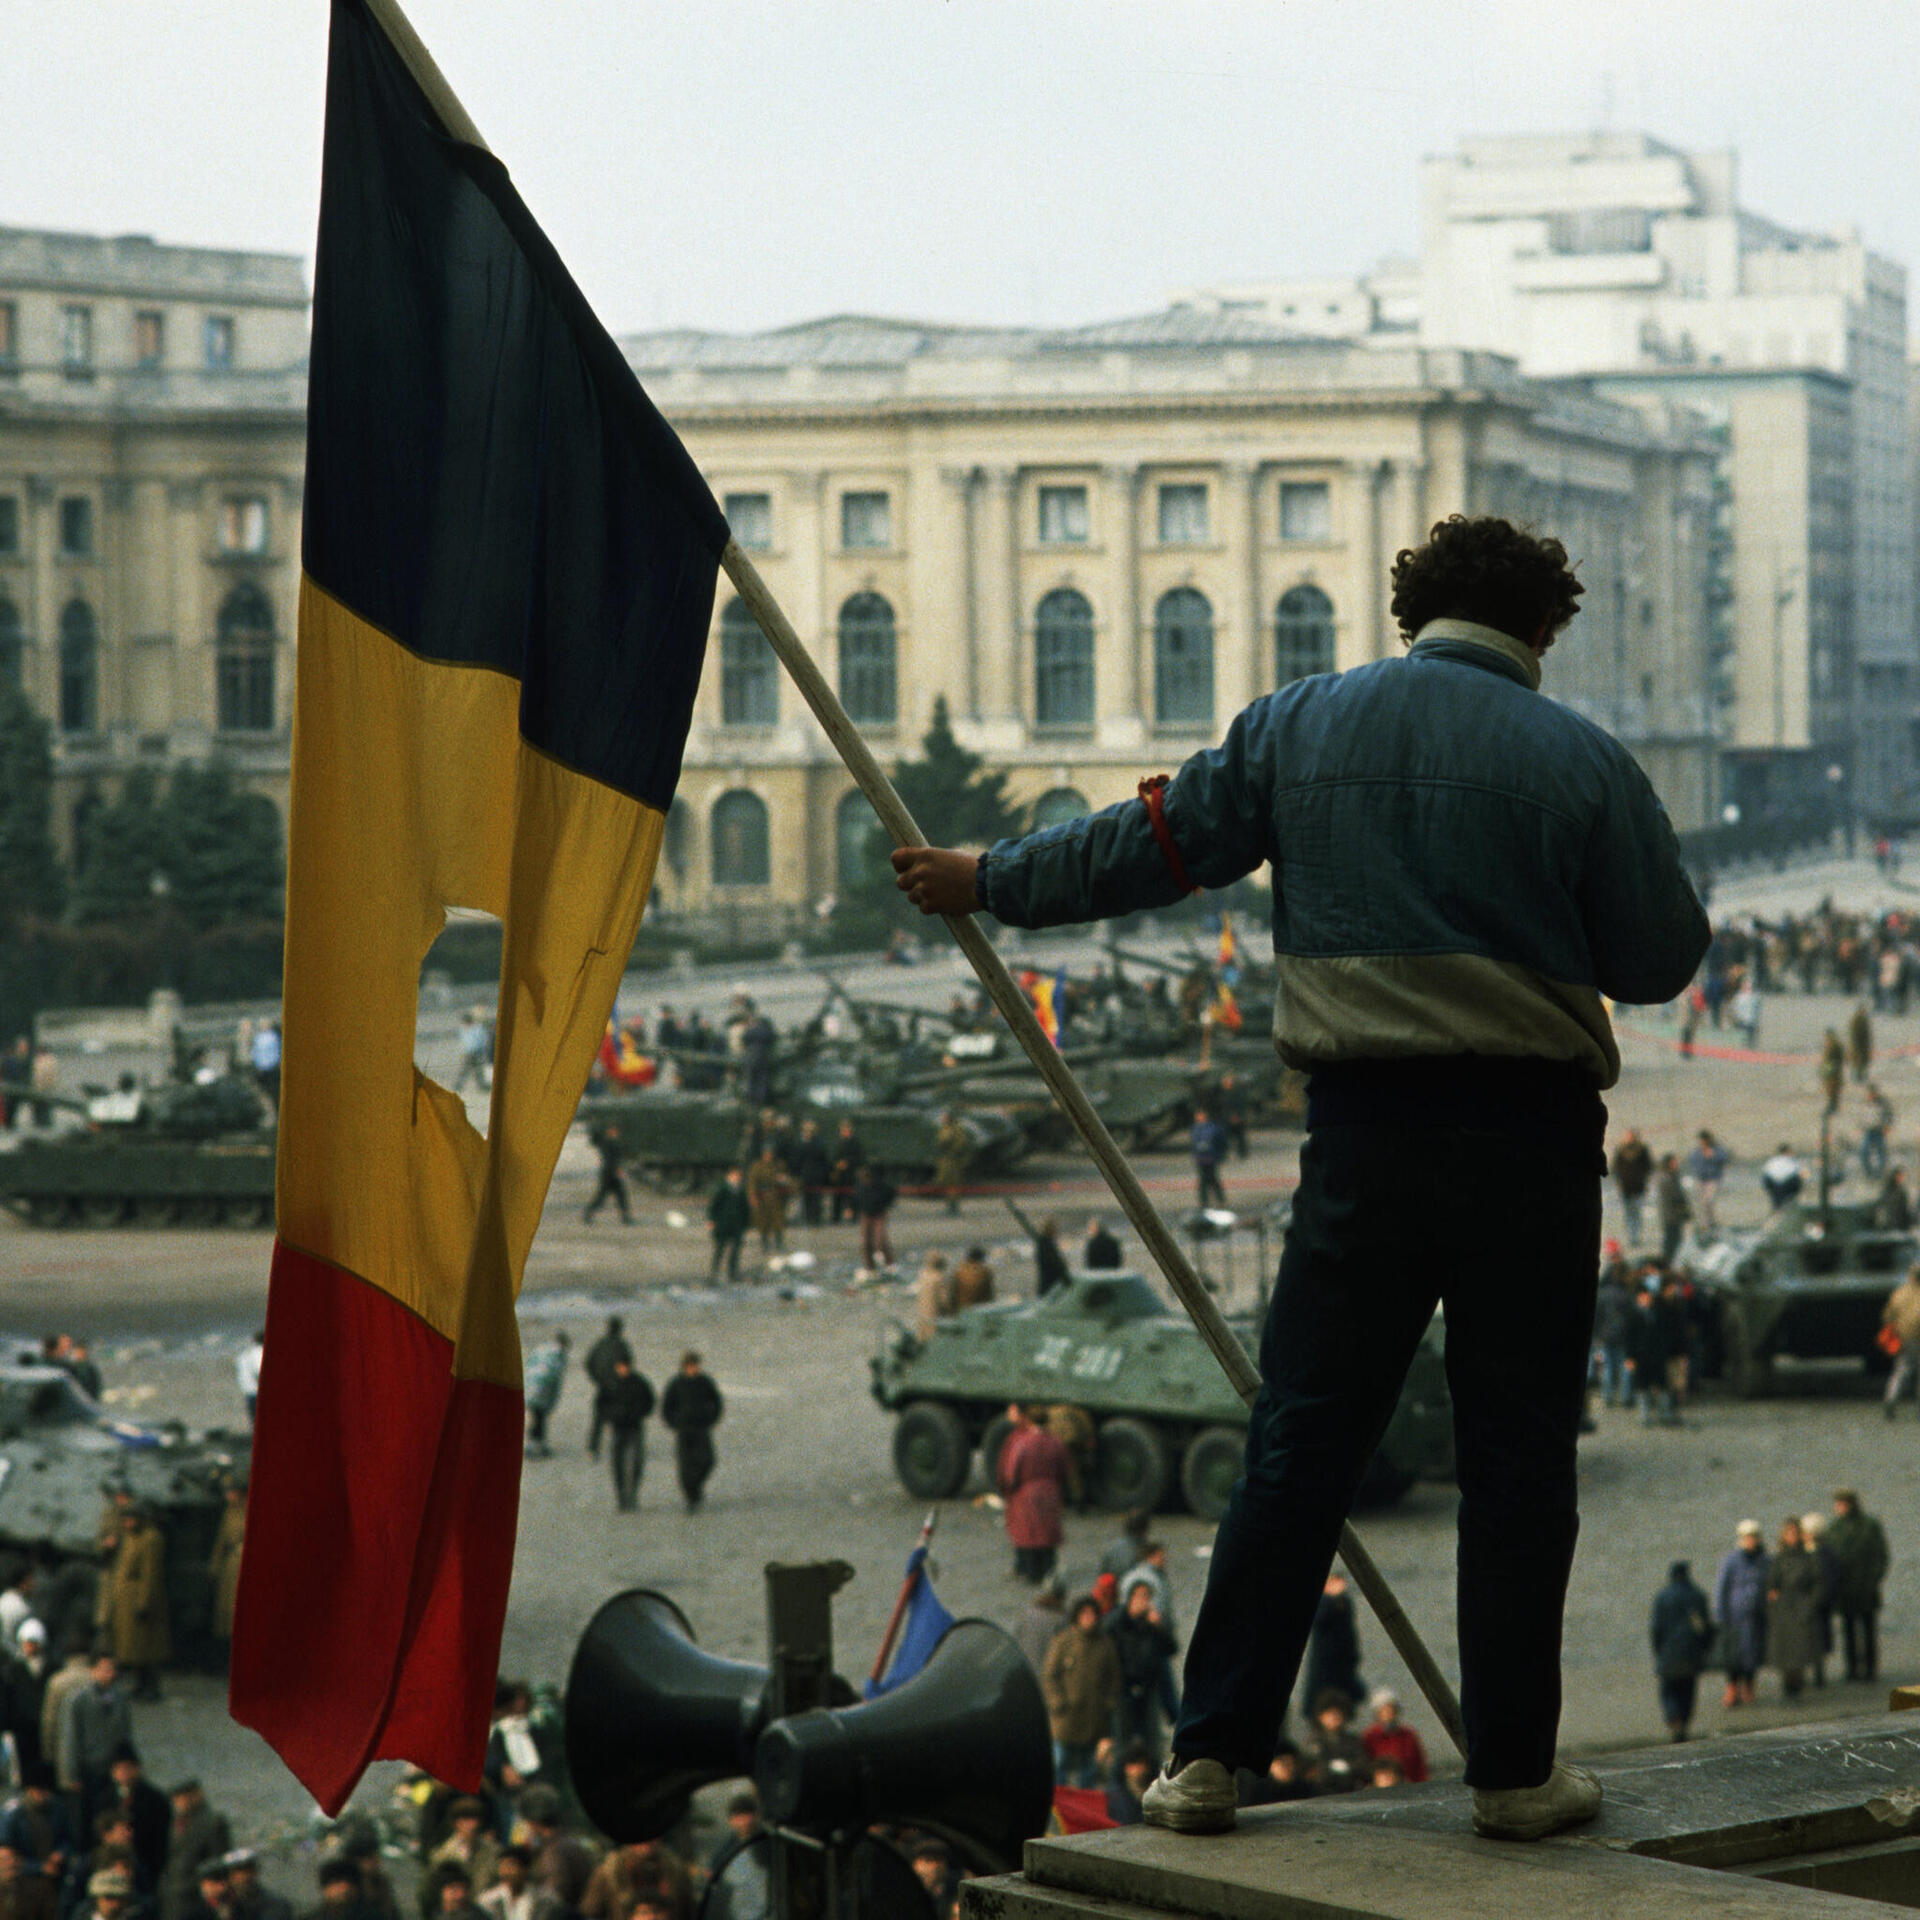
(243, 661)
(868, 687)
(749, 686)
(1063, 660)
(79, 668)
(741, 854)
(856, 840)
(1302, 635)
(1057, 806)
(1183, 659)
(12, 641)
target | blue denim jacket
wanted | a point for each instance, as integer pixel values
(1459, 866)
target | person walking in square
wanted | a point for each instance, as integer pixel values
(728, 1214)
(1034, 1472)
(1463, 874)
(1209, 1141)
(1632, 1171)
(624, 1404)
(692, 1409)
(1681, 1630)
(602, 1358)
(1857, 1546)
(612, 1183)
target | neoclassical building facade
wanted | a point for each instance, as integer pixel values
(152, 435)
(1098, 545)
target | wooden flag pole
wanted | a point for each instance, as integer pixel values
(1065, 1088)
(994, 976)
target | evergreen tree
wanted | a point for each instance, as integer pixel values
(224, 858)
(953, 796)
(122, 850)
(31, 882)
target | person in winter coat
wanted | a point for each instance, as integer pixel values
(1740, 1606)
(1050, 1263)
(1706, 1168)
(768, 1190)
(546, 1375)
(1080, 1683)
(1632, 1170)
(1209, 1143)
(1793, 1610)
(1145, 1644)
(1033, 1472)
(1649, 1348)
(728, 1213)
(1612, 1324)
(873, 1198)
(848, 1163)
(134, 1603)
(1671, 1204)
(692, 1409)
(624, 1404)
(1681, 1630)
(932, 1295)
(1782, 1177)
(223, 1563)
(810, 1164)
(955, 1150)
(1857, 1551)
(1388, 1737)
(1336, 1758)
(197, 1835)
(972, 1281)
(598, 1367)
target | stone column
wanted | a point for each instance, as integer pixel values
(1117, 671)
(997, 627)
(196, 716)
(1243, 669)
(1361, 630)
(41, 614)
(957, 500)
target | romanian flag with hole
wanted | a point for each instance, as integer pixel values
(508, 572)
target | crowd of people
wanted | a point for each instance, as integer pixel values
(1825, 951)
(1786, 1611)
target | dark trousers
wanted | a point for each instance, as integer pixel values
(726, 1246)
(628, 1450)
(693, 1456)
(1212, 1193)
(612, 1187)
(1860, 1632)
(1034, 1563)
(1504, 1228)
(1676, 1700)
(812, 1199)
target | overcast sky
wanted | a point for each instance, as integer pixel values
(746, 165)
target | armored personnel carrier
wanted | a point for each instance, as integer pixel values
(175, 1156)
(1166, 1423)
(1808, 1286)
(62, 1457)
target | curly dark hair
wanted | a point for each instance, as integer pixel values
(1488, 571)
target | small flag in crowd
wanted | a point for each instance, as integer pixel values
(1226, 940)
(919, 1629)
(508, 568)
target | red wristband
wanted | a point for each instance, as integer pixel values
(1153, 792)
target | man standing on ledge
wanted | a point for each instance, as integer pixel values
(1460, 871)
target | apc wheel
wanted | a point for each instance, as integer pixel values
(930, 1451)
(48, 1210)
(202, 1210)
(1208, 1469)
(155, 1211)
(101, 1210)
(1130, 1467)
(253, 1213)
(991, 1442)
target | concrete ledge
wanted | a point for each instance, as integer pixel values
(1789, 1822)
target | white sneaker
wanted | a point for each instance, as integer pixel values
(1200, 1798)
(1568, 1796)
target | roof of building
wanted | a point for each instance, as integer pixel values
(134, 263)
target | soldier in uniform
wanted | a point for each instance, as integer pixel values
(955, 1150)
(134, 1602)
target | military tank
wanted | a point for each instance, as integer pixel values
(1809, 1285)
(677, 1137)
(193, 1155)
(1166, 1423)
(63, 1456)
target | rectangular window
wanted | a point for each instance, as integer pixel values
(750, 515)
(219, 340)
(243, 524)
(1063, 516)
(1306, 510)
(866, 520)
(1183, 516)
(76, 526)
(9, 336)
(9, 523)
(149, 337)
(76, 341)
